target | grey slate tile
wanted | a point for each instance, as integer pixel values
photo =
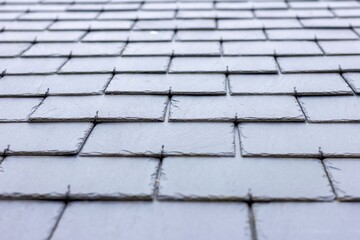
(43, 138)
(75, 49)
(131, 36)
(28, 219)
(58, 16)
(24, 25)
(221, 65)
(251, 5)
(293, 13)
(103, 108)
(147, 139)
(290, 48)
(307, 221)
(177, 5)
(259, 24)
(46, 36)
(193, 84)
(331, 109)
(311, 34)
(176, 48)
(289, 84)
(93, 25)
(215, 35)
(30, 65)
(87, 178)
(331, 23)
(324, 4)
(17, 109)
(236, 178)
(340, 47)
(121, 64)
(40, 85)
(172, 24)
(347, 12)
(140, 220)
(140, 15)
(300, 140)
(12, 49)
(239, 108)
(211, 14)
(344, 174)
(319, 64)
(354, 80)
(9, 15)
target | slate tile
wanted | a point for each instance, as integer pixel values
(103, 108)
(319, 64)
(340, 47)
(132, 36)
(211, 14)
(9, 15)
(235, 108)
(147, 139)
(354, 80)
(58, 16)
(174, 24)
(12, 49)
(31, 36)
(300, 140)
(30, 65)
(259, 24)
(17, 109)
(344, 174)
(176, 48)
(293, 13)
(28, 219)
(307, 220)
(233, 178)
(214, 35)
(105, 7)
(93, 25)
(325, 4)
(140, 15)
(331, 109)
(311, 34)
(121, 64)
(177, 5)
(224, 64)
(250, 5)
(331, 23)
(24, 25)
(49, 177)
(43, 139)
(290, 48)
(75, 49)
(41, 85)
(347, 12)
(303, 84)
(193, 84)
(140, 220)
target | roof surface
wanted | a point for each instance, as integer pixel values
(129, 119)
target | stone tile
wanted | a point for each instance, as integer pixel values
(177, 5)
(103, 108)
(140, 15)
(307, 220)
(174, 24)
(58, 16)
(325, 4)
(93, 25)
(251, 5)
(147, 139)
(17, 109)
(49, 177)
(211, 14)
(168, 48)
(319, 64)
(301, 84)
(259, 24)
(354, 80)
(294, 13)
(331, 23)
(40, 85)
(12, 49)
(221, 65)
(214, 35)
(24, 26)
(75, 49)
(132, 36)
(340, 47)
(300, 140)
(347, 12)
(120, 64)
(9, 15)
(46, 36)
(344, 174)
(43, 139)
(331, 109)
(311, 34)
(235, 108)
(28, 219)
(30, 65)
(236, 178)
(193, 84)
(290, 48)
(140, 220)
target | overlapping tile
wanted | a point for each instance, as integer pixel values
(17, 109)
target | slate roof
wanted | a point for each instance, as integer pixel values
(193, 119)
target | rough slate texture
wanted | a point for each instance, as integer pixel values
(198, 119)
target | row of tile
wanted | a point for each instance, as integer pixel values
(181, 139)
(179, 84)
(139, 220)
(180, 178)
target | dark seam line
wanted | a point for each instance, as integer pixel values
(346, 81)
(252, 219)
(328, 175)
